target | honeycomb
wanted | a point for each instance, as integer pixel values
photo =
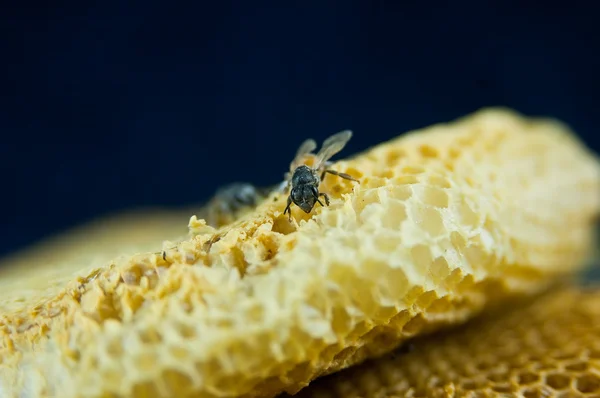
(545, 348)
(446, 222)
(52, 261)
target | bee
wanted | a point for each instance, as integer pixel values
(229, 200)
(305, 180)
(227, 203)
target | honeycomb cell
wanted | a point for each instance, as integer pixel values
(387, 173)
(428, 151)
(365, 198)
(440, 269)
(468, 217)
(406, 180)
(505, 388)
(430, 220)
(473, 384)
(458, 241)
(433, 196)
(393, 156)
(395, 215)
(401, 192)
(421, 256)
(454, 152)
(174, 380)
(589, 383)
(579, 366)
(558, 381)
(536, 393)
(526, 378)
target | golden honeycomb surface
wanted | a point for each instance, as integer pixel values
(446, 222)
(548, 347)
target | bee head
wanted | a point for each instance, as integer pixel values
(303, 197)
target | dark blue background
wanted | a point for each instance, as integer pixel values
(115, 105)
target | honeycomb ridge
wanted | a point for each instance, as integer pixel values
(445, 222)
(546, 348)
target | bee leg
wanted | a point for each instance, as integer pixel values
(316, 195)
(325, 196)
(208, 244)
(343, 175)
(287, 208)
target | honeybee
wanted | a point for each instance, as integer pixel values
(227, 203)
(305, 180)
(229, 200)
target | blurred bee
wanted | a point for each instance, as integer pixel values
(305, 180)
(228, 203)
(231, 200)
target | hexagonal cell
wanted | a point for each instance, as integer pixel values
(476, 256)
(485, 365)
(594, 353)
(558, 381)
(395, 215)
(467, 217)
(440, 306)
(430, 220)
(536, 392)
(498, 376)
(439, 269)
(588, 383)
(402, 192)
(177, 381)
(428, 151)
(458, 241)
(415, 325)
(387, 173)
(421, 255)
(186, 331)
(578, 366)
(438, 181)
(144, 389)
(526, 377)
(393, 156)
(412, 169)
(454, 152)
(504, 388)
(432, 196)
(150, 336)
(386, 242)
(406, 180)
(365, 198)
(473, 384)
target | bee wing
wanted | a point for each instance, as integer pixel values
(306, 147)
(331, 146)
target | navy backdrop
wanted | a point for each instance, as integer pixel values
(116, 105)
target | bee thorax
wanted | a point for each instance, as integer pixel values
(304, 175)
